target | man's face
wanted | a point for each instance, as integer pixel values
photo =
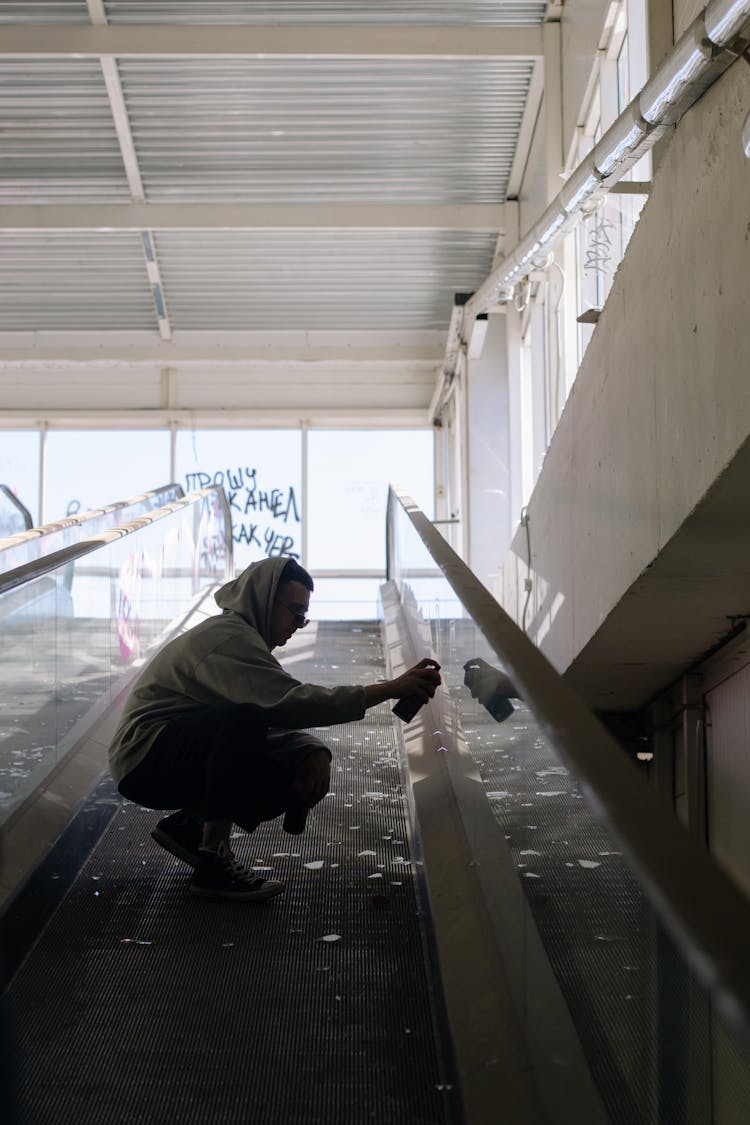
(289, 611)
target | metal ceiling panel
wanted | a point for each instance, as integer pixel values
(74, 282)
(266, 130)
(59, 142)
(325, 130)
(45, 11)
(352, 280)
(444, 13)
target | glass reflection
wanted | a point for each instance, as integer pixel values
(25, 547)
(73, 636)
(653, 1049)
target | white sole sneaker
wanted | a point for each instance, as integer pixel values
(267, 888)
(218, 875)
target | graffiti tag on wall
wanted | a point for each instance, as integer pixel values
(599, 253)
(265, 521)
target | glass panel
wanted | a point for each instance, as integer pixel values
(90, 468)
(72, 638)
(19, 468)
(53, 537)
(614, 1020)
(349, 473)
(261, 473)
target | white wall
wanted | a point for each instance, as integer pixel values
(489, 453)
(662, 401)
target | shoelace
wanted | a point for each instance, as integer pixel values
(241, 874)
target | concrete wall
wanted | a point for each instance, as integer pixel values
(662, 401)
(685, 12)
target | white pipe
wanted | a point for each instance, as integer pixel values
(450, 362)
(699, 57)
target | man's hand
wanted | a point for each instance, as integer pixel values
(419, 682)
(312, 779)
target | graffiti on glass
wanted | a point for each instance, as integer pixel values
(264, 519)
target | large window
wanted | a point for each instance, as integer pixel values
(331, 517)
(603, 234)
(90, 468)
(19, 467)
(555, 309)
(348, 474)
(261, 471)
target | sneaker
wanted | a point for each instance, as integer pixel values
(217, 875)
(181, 834)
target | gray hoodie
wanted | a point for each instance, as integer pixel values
(226, 660)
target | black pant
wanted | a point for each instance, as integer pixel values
(222, 765)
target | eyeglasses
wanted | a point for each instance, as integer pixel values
(297, 616)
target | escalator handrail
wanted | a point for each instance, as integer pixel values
(21, 509)
(37, 568)
(31, 534)
(700, 906)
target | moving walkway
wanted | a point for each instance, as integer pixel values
(491, 917)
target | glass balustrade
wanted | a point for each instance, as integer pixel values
(612, 1014)
(74, 634)
(25, 546)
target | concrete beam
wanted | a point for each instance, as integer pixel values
(487, 217)
(359, 417)
(62, 350)
(184, 41)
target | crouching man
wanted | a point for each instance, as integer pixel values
(212, 728)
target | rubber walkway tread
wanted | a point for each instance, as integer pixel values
(141, 1004)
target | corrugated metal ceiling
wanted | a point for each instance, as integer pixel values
(287, 131)
(45, 11)
(74, 282)
(496, 13)
(58, 138)
(353, 280)
(326, 279)
(325, 130)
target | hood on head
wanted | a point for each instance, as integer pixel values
(252, 594)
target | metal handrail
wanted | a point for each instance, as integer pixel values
(37, 568)
(32, 534)
(700, 906)
(21, 508)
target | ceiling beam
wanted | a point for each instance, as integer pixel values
(185, 41)
(74, 359)
(488, 217)
(253, 418)
(527, 131)
(132, 171)
(19, 350)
